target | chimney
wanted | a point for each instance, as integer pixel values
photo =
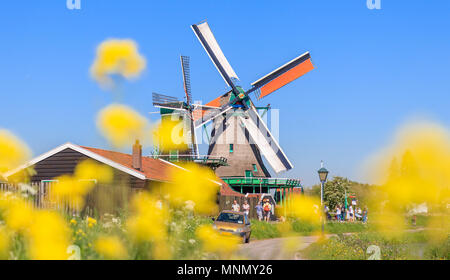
(137, 156)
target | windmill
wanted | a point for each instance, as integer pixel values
(233, 113)
(171, 107)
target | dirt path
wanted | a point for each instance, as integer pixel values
(273, 249)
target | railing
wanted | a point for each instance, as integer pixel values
(266, 182)
(207, 160)
(38, 195)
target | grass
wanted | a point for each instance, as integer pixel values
(264, 230)
(408, 246)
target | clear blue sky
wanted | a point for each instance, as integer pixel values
(375, 69)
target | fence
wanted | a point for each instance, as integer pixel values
(41, 196)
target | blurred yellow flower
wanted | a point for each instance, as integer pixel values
(4, 243)
(194, 184)
(73, 222)
(110, 247)
(91, 221)
(120, 57)
(69, 189)
(304, 208)
(13, 151)
(89, 169)
(121, 125)
(214, 242)
(170, 135)
(18, 214)
(148, 220)
(48, 237)
(421, 176)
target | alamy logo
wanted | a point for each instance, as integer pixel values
(73, 4)
(374, 4)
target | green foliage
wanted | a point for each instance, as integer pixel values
(334, 191)
(411, 245)
(264, 230)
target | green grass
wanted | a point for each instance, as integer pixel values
(408, 246)
(264, 230)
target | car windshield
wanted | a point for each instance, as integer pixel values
(231, 218)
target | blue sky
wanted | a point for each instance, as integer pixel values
(375, 69)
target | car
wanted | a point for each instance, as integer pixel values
(233, 223)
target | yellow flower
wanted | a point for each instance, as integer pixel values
(169, 135)
(305, 208)
(110, 247)
(414, 169)
(147, 223)
(121, 125)
(117, 57)
(48, 237)
(19, 214)
(215, 242)
(91, 222)
(73, 222)
(69, 189)
(13, 151)
(4, 243)
(89, 169)
(196, 185)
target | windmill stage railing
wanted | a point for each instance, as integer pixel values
(212, 161)
(282, 187)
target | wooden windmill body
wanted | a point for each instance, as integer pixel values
(231, 140)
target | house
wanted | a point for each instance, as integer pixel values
(132, 172)
(138, 171)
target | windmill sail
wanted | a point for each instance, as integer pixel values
(209, 43)
(267, 144)
(185, 68)
(283, 75)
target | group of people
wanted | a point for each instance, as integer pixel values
(263, 209)
(351, 214)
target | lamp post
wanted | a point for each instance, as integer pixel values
(323, 174)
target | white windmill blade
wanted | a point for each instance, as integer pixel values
(170, 108)
(209, 43)
(267, 144)
(211, 116)
(204, 106)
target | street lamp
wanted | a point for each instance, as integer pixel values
(323, 174)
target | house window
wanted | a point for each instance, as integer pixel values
(255, 168)
(231, 148)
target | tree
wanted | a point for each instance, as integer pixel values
(334, 191)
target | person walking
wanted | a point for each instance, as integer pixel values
(267, 207)
(365, 214)
(235, 206)
(338, 213)
(246, 208)
(259, 210)
(351, 213)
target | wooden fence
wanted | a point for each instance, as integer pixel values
(41, 196)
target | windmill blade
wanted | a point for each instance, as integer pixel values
(283, 75)
(171, 107)
(185, 68)
(209, 43)
(269, 147)
(163, 100)
(211, 115)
